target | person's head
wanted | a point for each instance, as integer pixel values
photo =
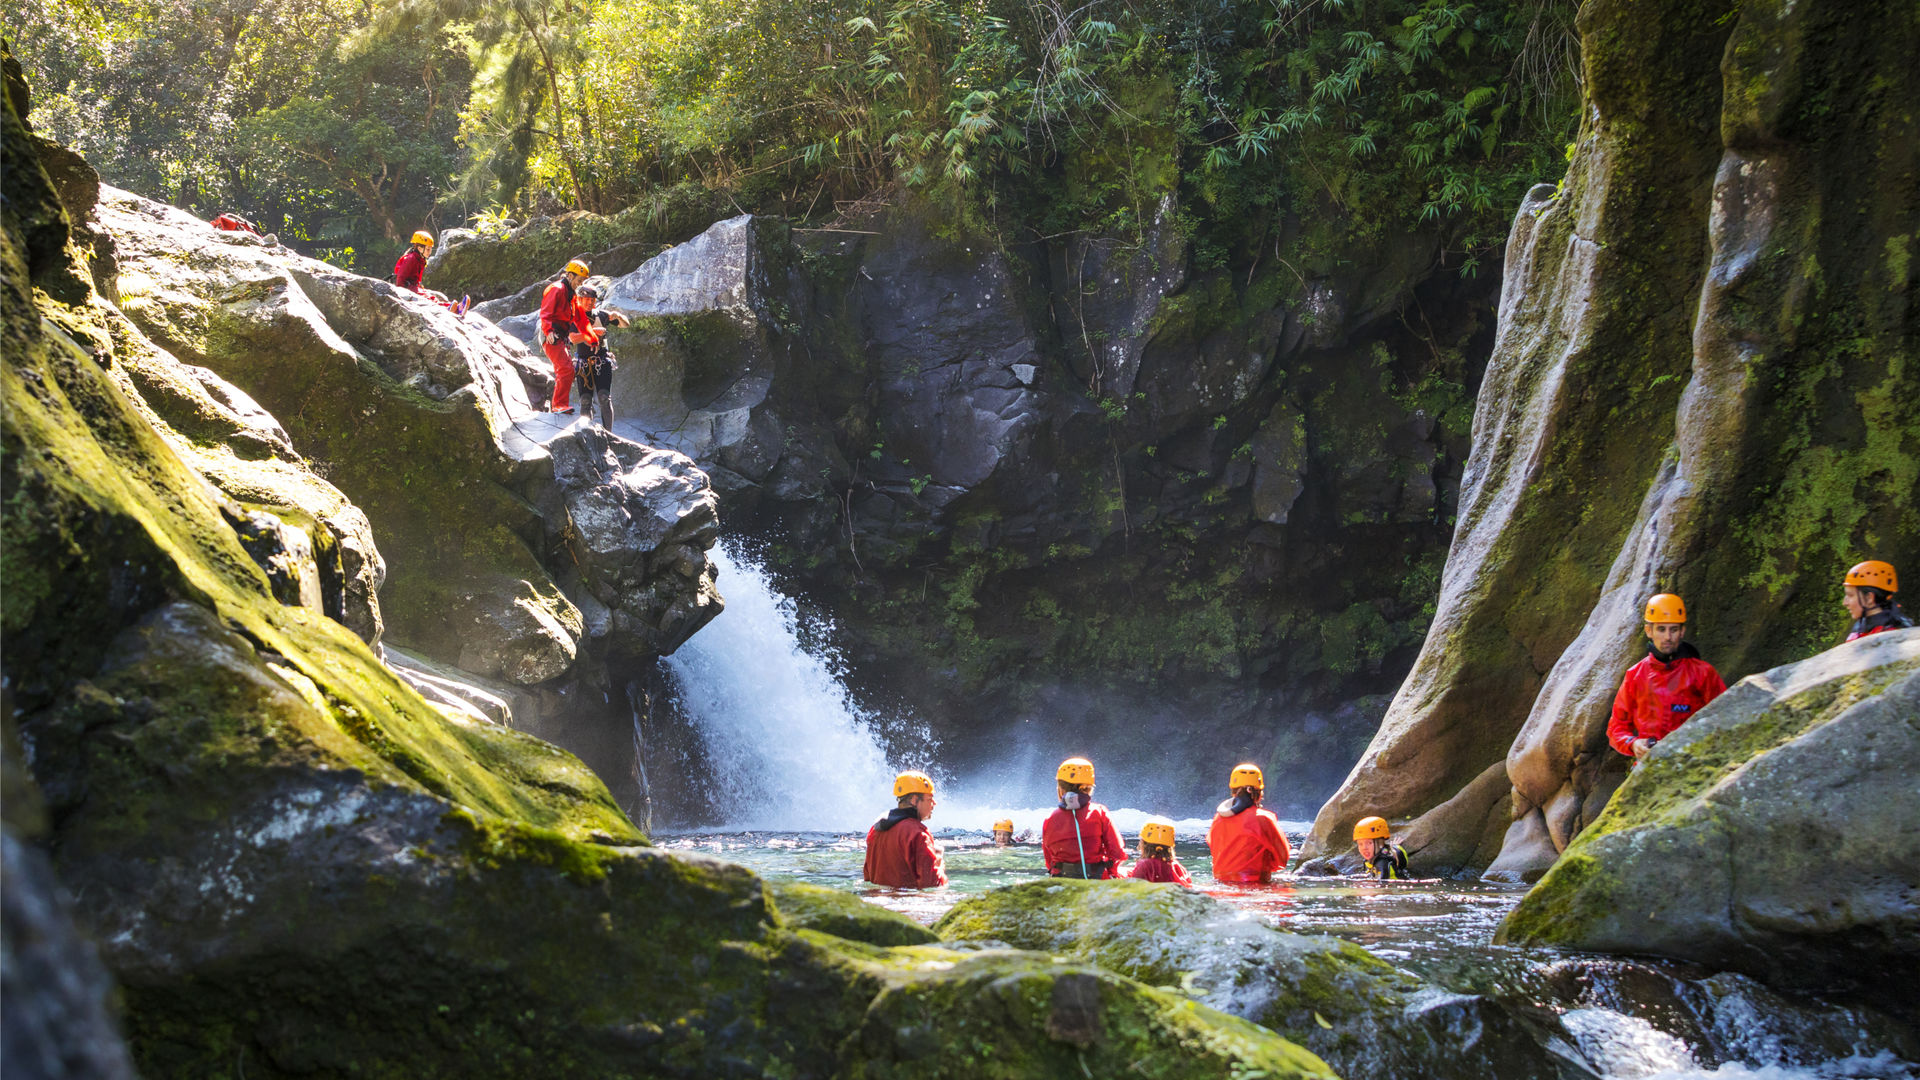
(1869, 587)
(1248, 781)
(423, 241)
(1156, 839)
(588, 296)
(1370, 834)
(1003, 832)
(914, 789)
(1666, 620)
(576, 272)
(1075, 777)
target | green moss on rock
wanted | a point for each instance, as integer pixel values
(832, 911)
(1759, 837)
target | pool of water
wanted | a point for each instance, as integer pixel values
(1418, 924)
(1634, 1020)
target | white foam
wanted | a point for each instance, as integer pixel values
(789, 750)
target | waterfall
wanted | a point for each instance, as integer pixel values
(789, 750)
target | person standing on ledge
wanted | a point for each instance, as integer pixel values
(1869, 599)
(558, 312)
(1247, 844)
(900, 851)
(1078, 839)
(1385, 859)
(1665, 689)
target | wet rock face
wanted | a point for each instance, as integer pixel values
(1661, 412)
(1777, 834)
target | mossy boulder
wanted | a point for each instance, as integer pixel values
(1000, 1014)
(842, 914)
(1365, 1017)
(1777, 833)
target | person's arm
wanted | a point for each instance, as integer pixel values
(1181, 877)
(1620, 733)
(1116, 851)
(549, 308)
(926, 862)
(1276, 840)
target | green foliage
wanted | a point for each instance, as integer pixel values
(254, 108)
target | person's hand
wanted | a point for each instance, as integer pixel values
(577, 338)
(552, 338)
(619, 318)
(1642, 747)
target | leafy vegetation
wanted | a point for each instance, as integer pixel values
(346, 124)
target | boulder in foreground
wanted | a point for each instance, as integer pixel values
(1777, 834)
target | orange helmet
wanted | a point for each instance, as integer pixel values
(1157, 831)
(1247, 775)
(1003, 825)
(575, 266)
(1371, 827)
(912, 782)
(422, 236)
(1075, 770)
(1874, 574)
(1666, 608)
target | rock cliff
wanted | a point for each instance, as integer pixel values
(1704, 382)
(1030, 480)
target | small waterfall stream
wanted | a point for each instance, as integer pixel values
(789, 749)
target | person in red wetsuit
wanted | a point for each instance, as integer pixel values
(411, 266)
(1078, 839)
(900, 851)
(1247, 844)
(558, 312)
(1156, 861)
(1665, 689)
(1869, 590)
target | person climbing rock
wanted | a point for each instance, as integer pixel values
(1078, 839)
(593, 362)
(901, 853)
(558, 311)
(1156, 862)
(1003, 833)
(1385, 859)
(234, 223)
(411, 267)
(1247, 844)
(1868, 596)
(1665, 689)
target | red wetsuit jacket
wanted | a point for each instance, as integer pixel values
(1658, 696)
(1096, 832)
(900, 853)
(1884, 619)
(558, 310)
(409, 268)
(1247, 847)
(1162, 870)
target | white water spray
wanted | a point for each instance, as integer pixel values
(789, 751)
